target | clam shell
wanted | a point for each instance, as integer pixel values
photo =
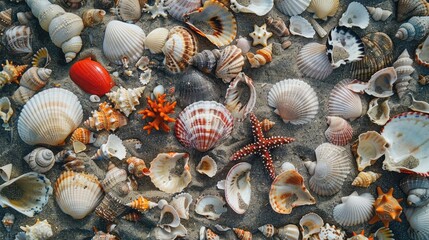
(371, 147)
(344, 46)
(422, 53)
(238, 188)
(230, 63)
(343, 102)
(179, 49)
(49, 117)
(207, 166)
(312, 61)
(110, 207)
(418, 219)
(126, 100)
(417, 189)
(40, 159)
(292, 7)
(339, 131)
(295, 101)
(381, 83)
(172, 233)
(364, 179)
(258, 7)
(181, 202)
(233, 97)
(210, 206)
(323, 9)
(301, 27)
(410, 8)
(354, 209)
(156, 39)
(128, 10)
(203, 125)
(18, 39)
(310, 224)
(379, 113)
(178, 8)
(356, 15)
(379, 14)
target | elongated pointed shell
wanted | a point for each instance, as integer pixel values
(258, 7)
(242, 234)
(310, 224)
(210, 206)
(49, 117)
(323, 9)
(343, 102)
(233, 97)
(344, 46)
(207, 166)
(410, 8)
(237, 187)
(18, 39)
(126, 99)
(179, 49)
(339, 131)
(364, 179)
(110, 207)
(295, 101)
(313, 62)
(418, 219)
(371, 147)
(354, 209)
(230, 63)
(141, 204)
(379, 14)
(404, 68)
(40, 159)
(356, 15)
(292, 7)
(206, 60)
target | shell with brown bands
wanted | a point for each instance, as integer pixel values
(32, 81)
(410, 8)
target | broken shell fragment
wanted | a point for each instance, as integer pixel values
(113, 148)
(258, 7)
(371, 146)
(379, 14)
(238, 188)
(356, 15)
(301, 27)
(310, 225)
(418, 106)
(6, 171)
(381, 83)
(181, 202)
(364, 179)
(207, 166)
(354, 209)
(210, 206)
(233, 97)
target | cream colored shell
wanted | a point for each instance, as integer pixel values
(181, 203)
(354, 209)
(210, 206)
(343, 102)
(40, 230)
(207, 166)
(156, 39)
(238, 190)
(323, 8)
(126, 100)
(6, 111)
(371, 147)
(364, 179)
(40, 159)
(310, 225)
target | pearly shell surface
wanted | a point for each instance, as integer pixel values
(237, 187)
(207, 166)
(301, 27)
(323, 9)
(210, 206)
(354, 209)
(356, 15)
(379, 111)
(364, 179)
(371, 147)
(40, 159)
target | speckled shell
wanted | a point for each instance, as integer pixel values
(356, 15)
(40, 230)
(206, 60)
(381, 83)
(379, 14)
(301, 27)
(92, 17)
(258, 7)
(181, 202)
(230, 63)
(410, 8)
(110, 207)
(210, 235)
(10, 73)
(178, 8)
(238, 188)
(313, 62)
(126, 100)
(179, 49)
(417, 189)
(210, 206)
(292, 7)
(18, 39)
(354, 209)
(106, 118)
(418, 220)
(49, 117)
(238, 109)
(207, 166)
(156, 39)
(295, 101)
(77, 194)
(323, 9)
(118, 48)
(266, 125)
(128, 10)
(203, 125)
(330, 232)
(344, 46)
(5, 19)
(364, 179)
(331, 170)
(343, 102)
(40, 159)
(371, 146)
(339, 132)
(387, 208)
(310, 224)
(379, 111)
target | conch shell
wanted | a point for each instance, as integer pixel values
(125, 100)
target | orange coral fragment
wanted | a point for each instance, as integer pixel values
(159, 110)
(387, 208)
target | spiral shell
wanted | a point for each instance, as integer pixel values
(112, 148)
(230, 63)
(40, 159)
(417, 189)
(10, 73)
(5, 19)
(262, 56)
(415, 29)
(404, 68)
(410, 8)
(268, 230)
(126, 99)
(313, 62)
(364, 179)
(128, 10)
(113, 177)
(40, 230)
(179, 49)
(278, 26)
(242, 234)
(106, 118)
(110, 207)
(379, 14)
(206, 60)
(343, 102)
(92, 17)
(137, 167)
(18, 39)
(32, 81)
(141, 204)
(339, 132)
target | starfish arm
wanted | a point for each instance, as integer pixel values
(273, 142)
(247, 150)
(268, 163)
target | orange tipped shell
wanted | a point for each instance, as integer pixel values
(106, 118)
(262, 56)
(141, 204)
(82, 135)
(242, 234)
(10, 73)
(137, 167)
(387, 208)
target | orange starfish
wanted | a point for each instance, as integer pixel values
(387, 208)
(159, 110)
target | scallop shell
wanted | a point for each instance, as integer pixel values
(92, 17)
(238, 188)
(35, 188)
(364, 179)
(410, 8)
(18, 39)
(128, 10)
(123, 42)
(6, 111)
(106, 118)
(110, 207)
(178, 8)
(156, 39)
(323, 9)
(49, 117)
(301, 27)
(313, 62)
(179, 49)
(339, 131)
(407, 139)
(230, 63)
(207, 166)
(206, 60)
(5, 19)
(417, 189)
(181, 202)
(379, 14)
(344, 46)
(381, 83)
(418, 220)
(330, 171)
(354, 209)
(40, 230)
(295, 101)
(126, 100)
(210, 206)
(6, 172)
(233, 97)
(290, 232)
(371, 146)
(356, 15)
(343, 102)
(258, 7)
(112, 148)
(379, 113)
(288, 191)
(419, 106)
(311, 224)
(40, 159)
(203, 125)
(166, 181)
(214, 22)
(292, 7)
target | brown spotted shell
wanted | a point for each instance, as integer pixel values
(179, 49)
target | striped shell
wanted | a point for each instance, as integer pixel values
(323, 9)
(295, 101)
(418, 219)
(5, 19)
(417, 189)
(354, 209)
(92, 17)
(178, 8)
(339, 131)
(31, 81)
(404, 68)
(18, 39)
(206, 60)
(82, 135)
(113, 177)
(110, 207)
(233, 97)
(237, 187)
(242, 234)
(40, 159)
(106, 118)
(313, 62)
(364, 179)
(203, 125)
(179, 49)
(230, 63)
(410, 8)
(292, 7)
(415, 29)
(268, 230)
(343, 102)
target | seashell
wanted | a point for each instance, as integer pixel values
(73, 3)
(301, 27)
(8, 220)
(173, 233)
(418, 219)
(331, 232)
(195, 86)
(113, 148)
(288, 191)
(354, 209)
(319, 29)
(258, 7)
(356, 15)
(34, 190)
(46, 13)
(277, 26)
(18, 39)
(49, 117)
(156, 39)
(418, 106)
(181, 202)
(70, 160)
(6, 172)
(166, 181)
(113, 176)
(423, 80)
(379, 113)
(406, 138)
(415, 29)
(137, 167)
(110, 207)
(118, 50)
(371, 146)
(171, 220)
(262, 56)
(40, 159)
(206, 60)
(178, 8)
(6, 112)
(5, 19)
(344, 46)
(92, 17)
(268, 230)
(230, 63)
(292, 7)
(132, 216)
(181, 45)
(214, 22)
(106, 118)
(339, 131)
(207, 166)
(289, 231)
(410, 8)
(313, 62)
(203, 125)
(323, 9)
(364, 179)
(417, 189)
(210, 206)
(386, 207)
(311, 223)
(243, 44)
(330, 171)
(422, 54)
(242, 234)
(343, 102)
(141, 204)
(238, 188)
(379, 14)
(82, 135)
(295, 101)
(210, 235)
(266, 124)
(126, 99)
(233, 97)
(31, 81)
(40, 230)
(381, 83)
(384, 233)
(127, 10)
(10, 73)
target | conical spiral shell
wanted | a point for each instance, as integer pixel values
(137, 167)
(18, 39)
(404, 68)
(339, 131)
(379, 14)
(5, 19)
(354, 209)
(343, 102)
(278, 26)
(35, 78)
(92, 17)
(206, 60)
(106, 118)
(110, 207)
(313, 62)
(10, 73)
(126, 99)
(65, 27)
(40, 159)
(410, 8)
(364, 179)
(179, 49)
(242, 234)
(268, 230)
(415, 29)
(230, 63)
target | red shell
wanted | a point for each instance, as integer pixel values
(91, 77)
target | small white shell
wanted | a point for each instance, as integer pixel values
(310, 225)
(243, 44)
(94, 98)
(356, 15)
(292, 7)
(40, 159)
(207, 166)
(258, 7)
(339, 131)
(300, 26)
(113, 177)
(313, 62)
(371, 147)
(8, 220)
(379, 14)
(381, 83)
(379, 113)
(237, 187)
(181, 202)
(343, 102)
(210, 206)
(113, 148)
(40, 230)
(156, 40)
(5, 172)
(354, 209)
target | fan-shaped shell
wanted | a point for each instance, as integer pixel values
(292, 7)
(237, 187)
(343, 102)
(126, 100)
(207, 166)
(381, 83)
(203, 125)
(300, 26)
(323, 8)
(344, 46)
(330, 171)
(354, 209)
(179, 49)
(40, 159)
(356, 15)
(419, 220)
(312, 61)
(417, 189)
(310, 224)
(210, 206)
(258, 7)
(18, 39)
(178, 8)
(156, 39)
(233, 97)
(295, 101)
(230, 63)
(410, 8)
(49, 117)
(339, 131)
(181, 202)
(379, 14)
(110, 207)
(123, 42)
(379, 113)
(371, 146)
(128, 10)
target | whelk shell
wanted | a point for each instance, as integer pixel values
(371, 146)
(262, 56)
(179, 49)
(354, 209)
(142, 204)
(415, 29)
(242, 234)
(234, 95)
(237, 187)
(31, 81)
(313, 62)
(278, 26)
(206, 60)
(40, 159)
(356, 15)
(379, 113)
(210, 206)
(110, 207)
(207, 166)
(126, 100)
(113, 177)
(310, 225)
(339, 132)
(92, 17)
(343, 102)
(106, 118)
(364, 179)
(292, 7)
(323, 9)
(137, 167)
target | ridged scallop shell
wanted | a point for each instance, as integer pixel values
(40, 159)
(364, 179)
(312, 61)
(40, 230)
(106, 118)
(381, 83)
(410, 8)
(408, 143)
(110, 207)
(343, 102)
(418, 219)
(323, 9)
(354, 209)
(295, 101)
(301, 27)
(207, 166)
(289, 231)
(230, 63)
(417, 189)
(214, 22)
(339, 131)
(112, 148)
(288, 191)
(258, 7)
(179, 49)
(123, 42)
(292, 7)
(384, 233)
(18, 39)
(379, 113)
(6, 111)
(92, 17)
(181, 202)
(233, 97)
(379, 14)
(356, 15)
(310, 225)
(178, 8)
(371, 146)
(206, 60)
(203, 125)
(5, 19)
(113, 176)
(237, 187)
(330, 171)
(162, 177)
(210, 206)
(126, 100)
(35, 188)
(156, 39)
(128, 10)
(49, 117)
(344, 46)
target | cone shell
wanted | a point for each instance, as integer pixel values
(356, 15)
(110, 207)
(206, 60)
(141, 204)
(313, 62)
(238, 188)
(354, 209)
(339, 131)
(92, 17)
(301, 27)
(106, 118)
(181, 202)
(364, 179)
(207, 166)
(18, 39)
(379, 113)
(418, 219)
(381, 83)
(5, 19)
(310, 224)
(77, 194)
(242, 234)
(410, 8)
(178, 8)
(230, 63)
(210, 206)
(128, 10)
(137, 167)
(386, 207)
(268, 230)
(156, 39)
(125, 100)
(203, 125)
(343, 102)
(288, 191)
(292, 7)
(233, 97)
(221, 22)
(40, 159)
(295, 101)
(179, 49)
(344, 46)
(371, 146)
(323, 9)
(379, 14)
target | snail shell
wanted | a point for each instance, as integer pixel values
(40, 159)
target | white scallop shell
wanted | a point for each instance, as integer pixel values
(123, 40)
(49, 117)
(230, 63)
(126, 100)
(343, 102)
(300, 26)
(156, 39)
(237, 187)
(323, 9)
(381, 83)
(210, 206)
(371, 146)
(310, 224)
(40, 159)
(354, 209)
(258, 7)
(207, 166)
(292, 7)
(419, 220)
(179, 49)
(181, 202)
(295, 101)
(379, 113)
(313, 62)
(339, 131)
(356, 15)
